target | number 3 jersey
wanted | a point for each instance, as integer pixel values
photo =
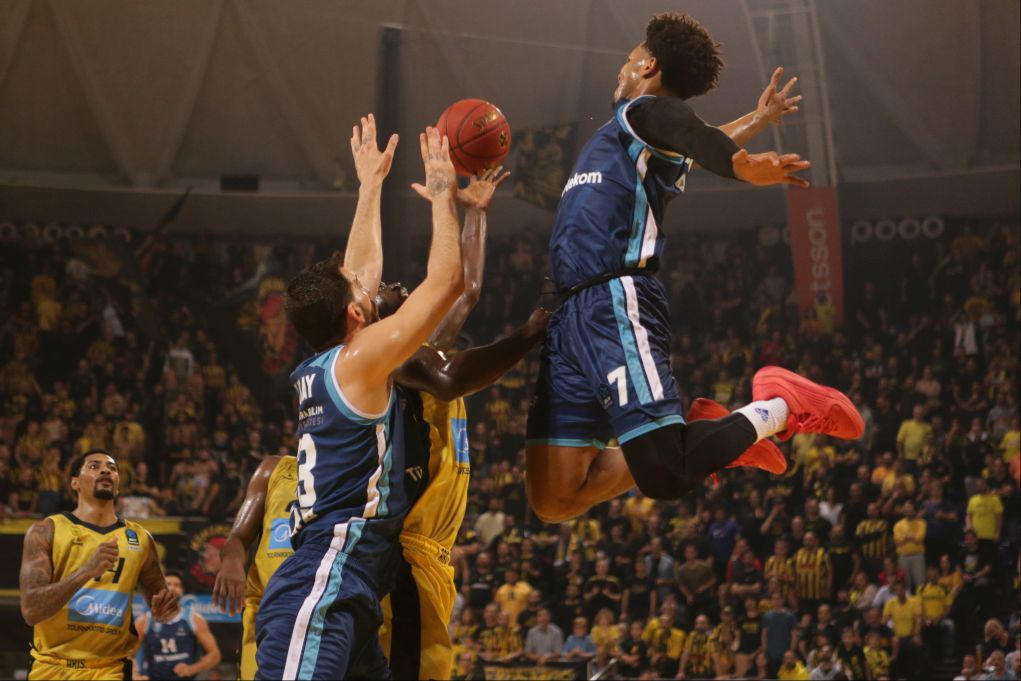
(350, 464)
(97, 621)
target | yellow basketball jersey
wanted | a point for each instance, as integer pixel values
(275, 543)
(440, 509)
(97, 622)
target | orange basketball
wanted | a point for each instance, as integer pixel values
(478, 133)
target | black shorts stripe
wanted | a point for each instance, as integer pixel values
(406, 625)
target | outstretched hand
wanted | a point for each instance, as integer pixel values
(371, 164)
(763, 170)
(480, 189)
(775, 104)
(439, 170)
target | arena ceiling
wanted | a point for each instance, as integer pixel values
(108, 108)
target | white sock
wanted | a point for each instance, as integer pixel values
(768, 417)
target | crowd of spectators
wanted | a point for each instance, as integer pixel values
(878, 558)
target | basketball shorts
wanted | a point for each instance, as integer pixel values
(50, 667)
(319, 616)
(247, 661)
(417, 612)
(605, 369)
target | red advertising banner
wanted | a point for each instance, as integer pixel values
(815, 245)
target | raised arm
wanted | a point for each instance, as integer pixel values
(367, 361)
(364, 254)
(162, 601)
(475, 198)
(669, 123)
(229, 588)
(40, 597)
(773, 105)
(448, 378)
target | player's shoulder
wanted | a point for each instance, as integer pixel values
(42, 530)
(285, 468)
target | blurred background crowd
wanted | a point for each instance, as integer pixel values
(890, 557)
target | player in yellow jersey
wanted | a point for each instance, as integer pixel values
(263, 516)
(418, 610)
(79, 571)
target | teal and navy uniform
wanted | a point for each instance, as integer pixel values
(321, 608)
(606, 362)
(167, 645)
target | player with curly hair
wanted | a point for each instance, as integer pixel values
(606, 364)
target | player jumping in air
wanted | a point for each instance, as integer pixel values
(79, 572)
(605, 367)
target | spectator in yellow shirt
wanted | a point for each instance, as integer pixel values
(904, 615)
(1010, 445)
(605, 632)
(937, 627)
(512, 597)
(985, 513)
(792, 669)
(909, 539)
(876, 657)
(898, 474)
(666, 645)
(912, 434)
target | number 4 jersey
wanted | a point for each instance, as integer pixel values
(350, 463)
(97, 621)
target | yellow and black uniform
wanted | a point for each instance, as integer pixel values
(814, 571)
(782, 568)
(935, 600)
(417, 612)
(879, 661)
(721, 643)
(93, 635)
(700, 656)
(274, 548)
(668, 643)
(874, 539)
(498, 641)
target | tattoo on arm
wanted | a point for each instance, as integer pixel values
(437, 184)
(40, 598)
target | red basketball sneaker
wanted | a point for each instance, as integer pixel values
(763, 455)
(813, 408)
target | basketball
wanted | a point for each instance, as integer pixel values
(478, 133)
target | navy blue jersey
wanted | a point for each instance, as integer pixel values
(167, 645)
(350, 464)
(611, 208)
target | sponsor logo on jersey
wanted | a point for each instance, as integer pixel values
(460, 431)
(280, 535)
(98, 606)
(595, 177)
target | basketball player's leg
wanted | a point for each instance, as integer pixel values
(564, 482)
(570, 467)
(247, 661)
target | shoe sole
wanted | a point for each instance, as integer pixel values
(770, 382)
